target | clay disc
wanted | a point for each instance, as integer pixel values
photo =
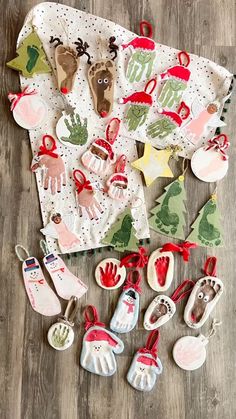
(189, 353)
(30, 112)
(60, 336)
(113, 276)
(208, 165)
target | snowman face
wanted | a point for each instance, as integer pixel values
(52, 265)
(34, 274)
(129, 299)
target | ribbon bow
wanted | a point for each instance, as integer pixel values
(182, 248)
(132, 282)
(44, 148)
(84, 184)
(219, 145)
(15, 97)
(151, 344)
(89, 322)
(135, 260)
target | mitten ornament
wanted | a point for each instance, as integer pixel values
(109, 274)
(176, 79)
(100, 155)
(71, 131)
(117, 184)
(143, 56)
(210, 163)
(204, 296)
(162, 308)
(140, 103)
(99, 346)
(52, 165)
(28, 109)
(126, 313)
(146, 365)
(86, 196)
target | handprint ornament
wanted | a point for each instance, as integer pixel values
(99, 346)
(71, 131)
(109, 274)
(117, 183)
(85, 196)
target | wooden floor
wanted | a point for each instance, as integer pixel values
(35, 381)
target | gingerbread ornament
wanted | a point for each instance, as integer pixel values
(117, 183)
(85, 196)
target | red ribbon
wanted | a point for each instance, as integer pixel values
(15, 97)
(210, 262)
(145, 24)
(182, 248)
(186, 56)
(218, 145)
(152, 343)
(44, 148)
(85, 184)
(91, 321)
(132, 282)
(177, 296)
(112, 130)
(120, 164)
(135, 260)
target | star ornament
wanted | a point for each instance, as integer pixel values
(153, 164)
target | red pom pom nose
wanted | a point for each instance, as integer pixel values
(64, 90)
(103, 114)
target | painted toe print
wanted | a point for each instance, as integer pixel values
(160, 270)
(160, 311)
(101, 78)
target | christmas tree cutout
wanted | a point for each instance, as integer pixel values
(121, 235)
(206, 228)
(30, 57)
(169, 215)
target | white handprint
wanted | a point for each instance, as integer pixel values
(143, 371)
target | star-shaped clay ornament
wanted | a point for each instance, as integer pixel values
(153, 164)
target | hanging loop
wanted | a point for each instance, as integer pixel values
(71, 311)
(46, 149)
(80, 181)
(112, 130)
(214, 325)
(183, 55)
(91, 317)
(209, 268)
(135, 260)
(19, 248)
(177, 296)
(44, 247)
(150, 86)
(151, 346)
(217, 144)
(183, 249)
(133, 280)
(145, 29)
(120, 164)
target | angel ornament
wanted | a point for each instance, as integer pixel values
(61, 228)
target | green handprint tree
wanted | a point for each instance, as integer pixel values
(78, 131)
(60, 336)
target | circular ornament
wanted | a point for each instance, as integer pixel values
(60, 336)
(71, 131)
(189, 352)
(30, 112)
(109, 275)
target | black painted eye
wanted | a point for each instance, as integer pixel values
(206, 298)
(200, 295)
(106, 81)
(100, 81)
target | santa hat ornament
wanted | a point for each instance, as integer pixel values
(140, 103)
(177, 78)
(143, 55)
(118, 182)
(99, 346)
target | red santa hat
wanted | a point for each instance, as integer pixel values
(173, 116)
(147, 361)
(178, 72)
(141, 42)
(119, 177)
(105, 146)
(97, 335)
(138, 98)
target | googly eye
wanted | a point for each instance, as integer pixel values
(200, 295)
(206, 298)
(100, 81)
(106, 81)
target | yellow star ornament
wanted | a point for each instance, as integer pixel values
(153, 164)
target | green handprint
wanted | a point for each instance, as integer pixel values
(60, 335)
(78, 133)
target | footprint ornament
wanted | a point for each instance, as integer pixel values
(160, 270)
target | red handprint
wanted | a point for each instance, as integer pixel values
(109, 277)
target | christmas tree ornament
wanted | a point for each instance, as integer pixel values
(65, 283)
(71, 131)
(176, 79)
(117, 183)
(126, 313)
(31, 58)
(101, 78)
(135, 260)
(168, 121)
(140, 103)
(210, 163)
(99, 346)
(121, 235)
(162, 308)
(146, 365)
(109, 274)
(100, 156)
(153, 164)
(52, 165)
(28, 109)
(61, 334)
(85, 196)
(206, 229)
(67, 62)
(143, 56)
(42, 298)
(189, 352)
(61, 228)
(204, 296)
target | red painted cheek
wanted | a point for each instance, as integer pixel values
(64, 90)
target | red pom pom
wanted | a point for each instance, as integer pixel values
(64, 90)
(103, 114)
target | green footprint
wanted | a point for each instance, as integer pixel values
(33, 54)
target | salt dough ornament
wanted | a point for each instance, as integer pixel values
(153, 164)
(126, 313)
(210, 163)
(99, 346)
(86, 196)
(67, 63)
(189, 352)
(42, 298)
(176, 79)
(65, 283)
(61, 228)
(109, 274)
(204, 296)
(117, 184)
(121, 235)
(162, 308)
(206, 229)
(71, 131)
(101, 78)
(168, 121)
(100, 155)
(141, 62)
(52, 165)
(31, 58)
(140, 103)
(61, 334)
(28, 109)
(146, 365)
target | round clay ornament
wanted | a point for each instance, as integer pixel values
(189, 352)
(71, 130)
(60, 336)
(160, 270)
(109, 275)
